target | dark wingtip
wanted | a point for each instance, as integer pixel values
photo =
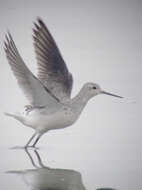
(8, 37)
(41, 23)
(36, 26)
(6, 41)
(39, 20)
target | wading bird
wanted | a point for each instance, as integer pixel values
(49, 94)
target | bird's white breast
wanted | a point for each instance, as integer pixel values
(43, 122)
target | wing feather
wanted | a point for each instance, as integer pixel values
(52, 70)
(35, 91)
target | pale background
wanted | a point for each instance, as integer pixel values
(101, 41)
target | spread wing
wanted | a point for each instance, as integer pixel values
(52, 70)
(37, 94)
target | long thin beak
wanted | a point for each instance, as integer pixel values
(110, 94)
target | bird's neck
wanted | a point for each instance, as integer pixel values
(79, 101)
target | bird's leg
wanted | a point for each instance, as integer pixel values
(30, 140)
(37, 139)
(31, 158)
(39, 159)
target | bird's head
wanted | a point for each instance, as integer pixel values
(93, 89)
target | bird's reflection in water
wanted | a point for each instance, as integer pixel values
(45, 178)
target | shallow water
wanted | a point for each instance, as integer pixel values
(64, 168)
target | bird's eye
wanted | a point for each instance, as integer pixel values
(94, 87)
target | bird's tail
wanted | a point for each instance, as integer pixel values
(15, 115)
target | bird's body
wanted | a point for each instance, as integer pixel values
(42, 120)
(49, 94)
(45, 118)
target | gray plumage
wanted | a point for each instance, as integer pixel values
(35, 91)
(52, 70)
(53, 78)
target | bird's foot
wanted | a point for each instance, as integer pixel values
(31, 147)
